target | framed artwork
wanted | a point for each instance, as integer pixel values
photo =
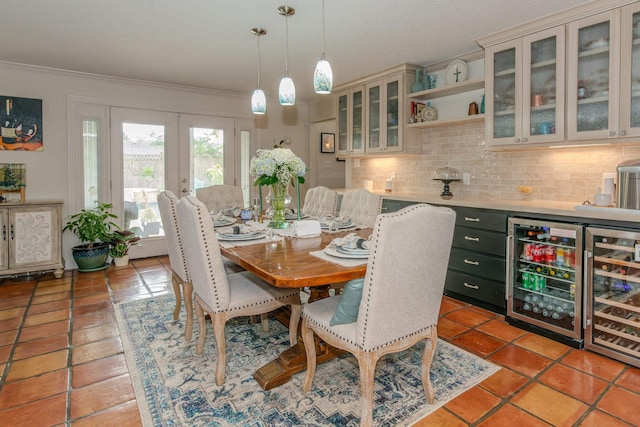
(13, 179)
(20, 123)
(327, 142)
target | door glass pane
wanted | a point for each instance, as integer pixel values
(543, 86)
(374, 117)
(342, 123)
(356, 129)
(593, 77)
(392, 113)
(143, 148)
(504, 86)
(207, 148)
(635, 73)
(91, 162)
(245, 161)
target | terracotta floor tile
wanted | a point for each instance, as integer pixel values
(501, 329)
(578, 384)
(41, 331)
(120, 297)
(156, 275)
(448, 328)
(449, 304)
(99, 307)
(510, 416)
(521, 360)
(13, 302)
(19, 290)
(41, 346)
(101, 395)
(125, 415)
(621, 403)
(96, 333)
(127, 284)
(34, 388)
(8, 337)
(544, 346)
(504, 383)
(630, 379)
(552, 406)
(478, 343)
(83, 282)
(50, 306)
(467, 317)
(594, 364)
(92, 320)
(600, 419)
(98, 370)
(96, 350)
(484, 311)
(85, 290)
(52, 316)
(48, 290)
(37, 365)
(46, 412)
(52, 297)
(8, 324)
(12, 313)
(5, 352)
(81, 301)
(440, 418)
(473, 404)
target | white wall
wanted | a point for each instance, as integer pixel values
(47, 171)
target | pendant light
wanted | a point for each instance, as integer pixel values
(287, 90)
(258, 100)
(323, 76)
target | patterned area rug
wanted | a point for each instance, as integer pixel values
(176, 387)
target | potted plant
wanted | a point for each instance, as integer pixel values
(93, 227)
(119, 244)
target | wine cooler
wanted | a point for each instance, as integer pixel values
(544, 278)
(612, 297)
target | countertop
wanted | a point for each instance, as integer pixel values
(546, 207)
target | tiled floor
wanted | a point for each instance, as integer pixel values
(61, 360)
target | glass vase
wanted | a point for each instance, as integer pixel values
(279, 200)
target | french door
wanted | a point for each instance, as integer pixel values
(151, 151)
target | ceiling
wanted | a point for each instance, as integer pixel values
(208, 43)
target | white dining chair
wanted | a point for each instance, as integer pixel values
(320, 202)
(400, 298)
(167, 203)
(361, 207)
(218, 197)
(224, 296)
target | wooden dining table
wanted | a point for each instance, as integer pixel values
(287, 263)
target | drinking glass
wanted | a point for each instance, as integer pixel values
(334, 224)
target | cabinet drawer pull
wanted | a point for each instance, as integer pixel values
(466, 261)
(4, 232)
(473, 239)
(469, 285)
(471, 219)
(11, 231)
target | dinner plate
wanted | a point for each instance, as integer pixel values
(230, 237)
(294, 217)
(346, 224)
(223, 223)
(356, 251)
(335, 253)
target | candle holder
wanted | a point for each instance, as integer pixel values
(447, 175)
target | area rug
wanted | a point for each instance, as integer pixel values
(176, 387)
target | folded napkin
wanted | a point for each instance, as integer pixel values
(306, 228)
(351, 241)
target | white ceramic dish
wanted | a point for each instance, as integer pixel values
(229, 237)
(223, 223)
(457, 72)
(349, 251)
(345, 225)
(335, 253)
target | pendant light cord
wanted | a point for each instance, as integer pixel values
(323, 32)
(286, 57)
(259, 68)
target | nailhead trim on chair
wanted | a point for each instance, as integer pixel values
(174, 217)
(263, 302)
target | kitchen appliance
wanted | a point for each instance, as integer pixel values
(612, 293)
(628, 193)
(544, 278)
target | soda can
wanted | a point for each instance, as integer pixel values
(538, 253)
(569, 258)
(526, 277)
(527, 251)
(550, 254)
(535, 282)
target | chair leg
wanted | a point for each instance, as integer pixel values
(187, 289)
(294, 320)
(427, 358)
(367, 363)
(202, 327)
(175, 282)
(218, 320)
(310, 349)
(264, 320)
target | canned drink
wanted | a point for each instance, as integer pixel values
(535, 282)
(538, 253)
(569, 257)
(550, 254)
(527, 251)
(526, 277)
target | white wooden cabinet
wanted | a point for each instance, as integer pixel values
(385, 115)
(350, 121)
(603, 81)
(31, 238)
(525, 88)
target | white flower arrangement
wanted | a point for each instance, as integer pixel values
(277, 165)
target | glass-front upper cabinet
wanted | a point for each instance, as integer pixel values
(593, 77)
(527, 89)
(384, 129)
(630, 72)
(350, 121)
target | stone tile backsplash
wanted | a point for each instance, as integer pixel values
(562, 174)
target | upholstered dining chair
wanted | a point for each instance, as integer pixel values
(361, 206)
(218, 197)
(320, 202)
(167, 203)
(400, 300)
(220, 295)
